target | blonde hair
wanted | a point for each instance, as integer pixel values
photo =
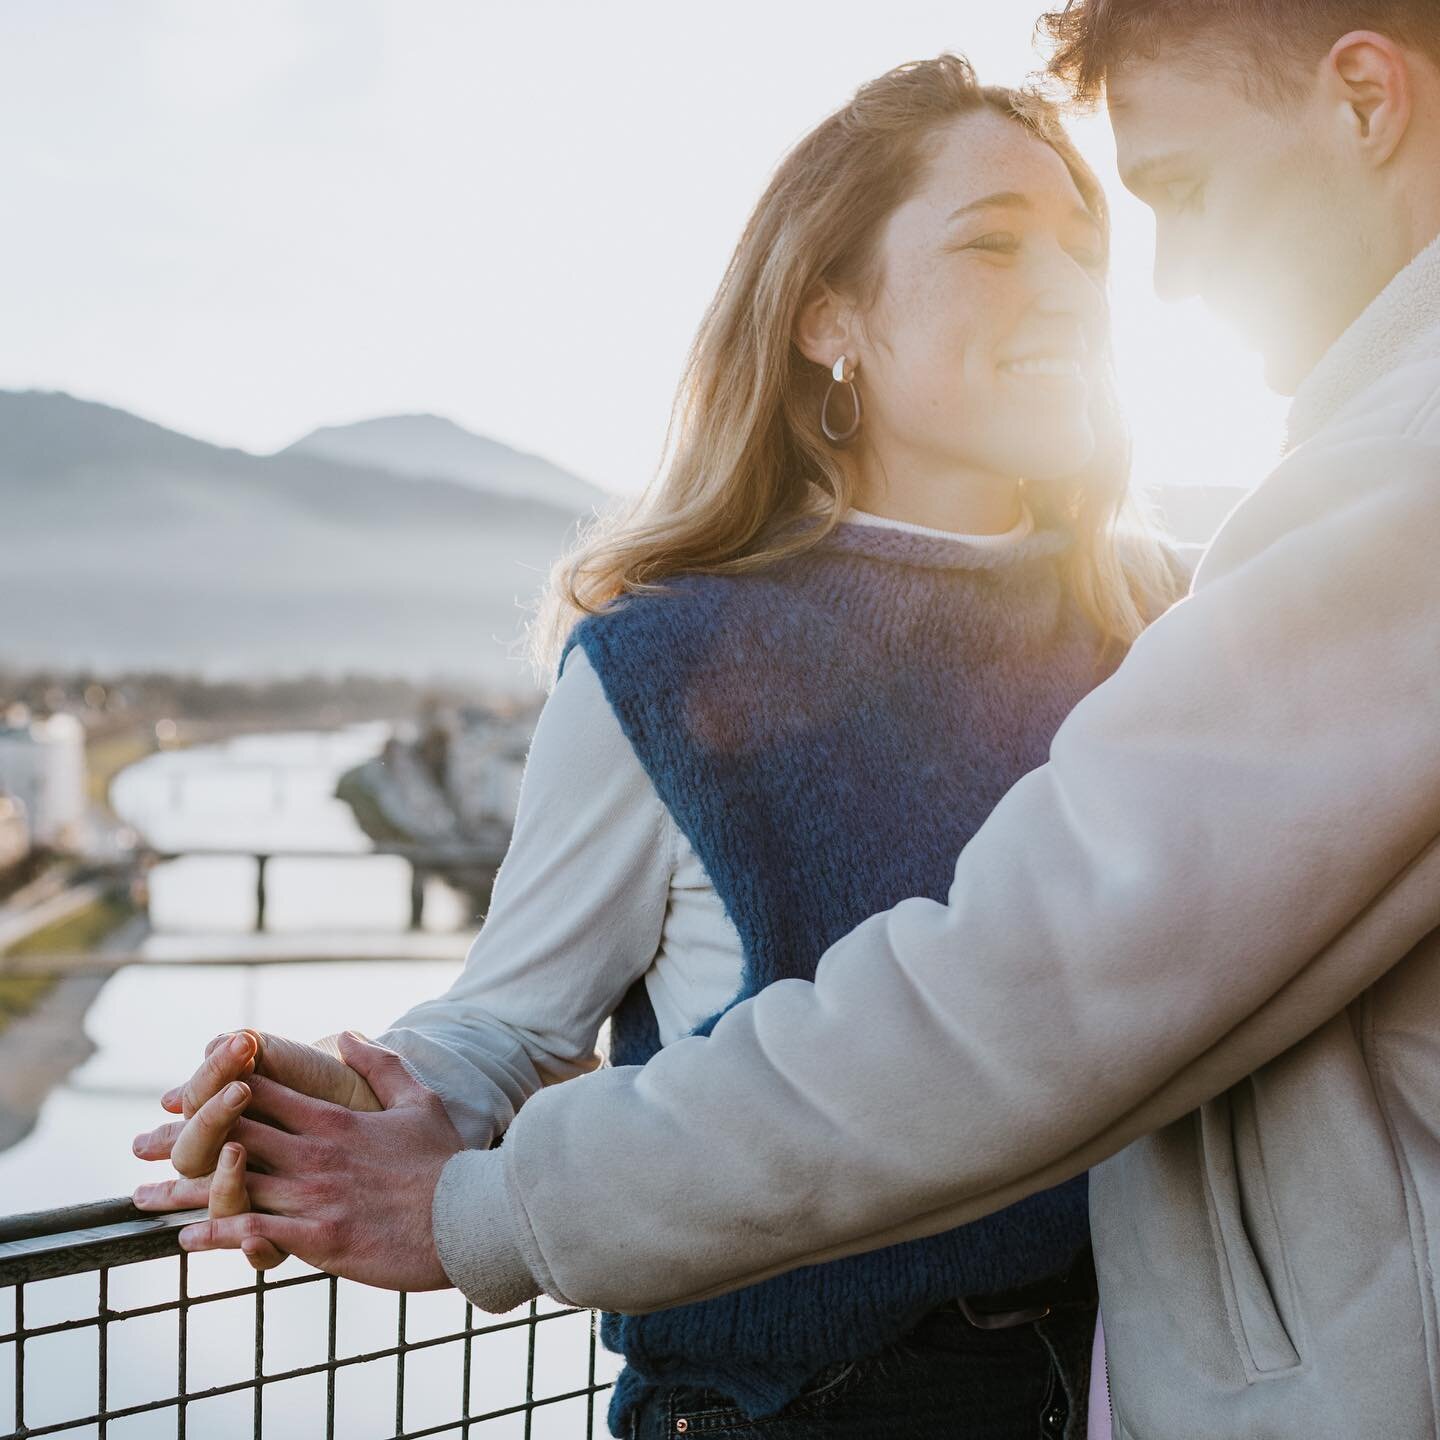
(745, 447)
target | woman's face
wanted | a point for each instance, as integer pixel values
(981, 347)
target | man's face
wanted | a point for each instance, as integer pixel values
(1261, 212)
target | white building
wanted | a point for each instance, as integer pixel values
(14, 832)
(42, 764)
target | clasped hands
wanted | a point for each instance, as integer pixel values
(328, 1151)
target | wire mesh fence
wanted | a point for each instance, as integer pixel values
(108, 1330)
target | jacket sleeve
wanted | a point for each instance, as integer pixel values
(575, 917)
(1213, 863)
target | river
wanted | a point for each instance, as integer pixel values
(148, 1026)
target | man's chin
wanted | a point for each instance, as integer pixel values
(1285, 371)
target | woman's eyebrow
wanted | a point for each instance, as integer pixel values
(1001, 200)
(1011, 200)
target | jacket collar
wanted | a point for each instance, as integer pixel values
(1402, 322)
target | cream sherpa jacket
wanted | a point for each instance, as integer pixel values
(1198, 951)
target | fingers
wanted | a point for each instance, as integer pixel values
(315, 1069)
(227, 1058)
(156, 1144)
(223, 1193)
(227, 1185)
(277, 1150)
(196, 1149)
(227, 1193)
(228, 1196)
(382, 1069)
(182, 1194)
(297, 1113)
(266, 1192)
(305, 1238)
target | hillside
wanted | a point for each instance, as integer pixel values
(426, 445)
(128, 544)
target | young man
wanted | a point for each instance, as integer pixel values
(1198, 951)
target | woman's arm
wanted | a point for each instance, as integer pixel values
(575, 918)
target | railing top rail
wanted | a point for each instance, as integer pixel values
(43, 1244)
(457, 854)
(108, 962)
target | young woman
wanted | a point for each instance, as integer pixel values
(883, 563)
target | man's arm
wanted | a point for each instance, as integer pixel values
(1226, 848)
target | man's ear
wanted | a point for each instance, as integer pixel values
(825, 328)
(1368, 77)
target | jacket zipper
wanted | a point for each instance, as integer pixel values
(1109, 1396)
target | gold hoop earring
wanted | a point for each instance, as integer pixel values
(840, 377)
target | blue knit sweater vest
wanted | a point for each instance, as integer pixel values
(828, 733)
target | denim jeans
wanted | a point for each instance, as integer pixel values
(944, 1378)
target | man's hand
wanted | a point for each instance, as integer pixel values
(212, 1101)
(348, 1192)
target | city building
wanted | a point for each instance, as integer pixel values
(42, 765)
(14, 833)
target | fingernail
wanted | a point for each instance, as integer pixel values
(235, 1094)
(189, 1236)
(232, 1154)
(138, 1144)
(240, 1045)
(141, 1193)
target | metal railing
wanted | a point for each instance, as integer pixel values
(65, 1385)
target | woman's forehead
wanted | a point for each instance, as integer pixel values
(988, 153)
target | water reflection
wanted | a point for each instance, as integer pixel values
(148, 1026)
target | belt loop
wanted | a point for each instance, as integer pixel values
(1000, 1319)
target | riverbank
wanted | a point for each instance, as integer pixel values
(84, 919)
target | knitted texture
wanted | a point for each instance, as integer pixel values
(828, 733)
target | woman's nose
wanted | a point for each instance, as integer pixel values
(1063, 286)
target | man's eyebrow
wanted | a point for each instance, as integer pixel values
(1011, 200)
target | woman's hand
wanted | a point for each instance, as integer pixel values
(214, 1097)
(212, 1101)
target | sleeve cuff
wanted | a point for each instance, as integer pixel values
(479, 1110)
(482, 1235)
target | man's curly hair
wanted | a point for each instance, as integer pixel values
(1271, 42)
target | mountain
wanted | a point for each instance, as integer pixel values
(429, 446)
(123, 543)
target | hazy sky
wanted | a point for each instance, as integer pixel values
(248, 219)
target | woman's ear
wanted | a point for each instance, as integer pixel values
(825, 328)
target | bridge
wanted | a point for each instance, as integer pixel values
(425, 860)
